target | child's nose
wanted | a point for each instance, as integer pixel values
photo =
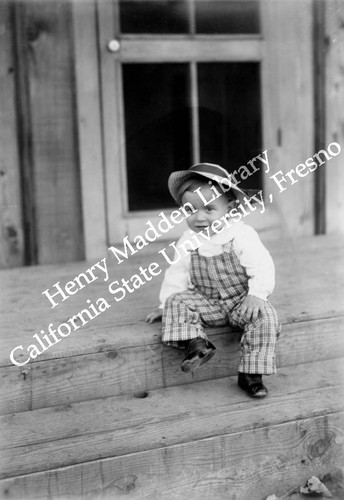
(200, 215)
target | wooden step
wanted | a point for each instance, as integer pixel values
(118, 353)
(131, 369)
(205, 439)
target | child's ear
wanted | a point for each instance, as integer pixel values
(231, 204)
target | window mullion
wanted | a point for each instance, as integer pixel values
(192, 17)
(194, 113)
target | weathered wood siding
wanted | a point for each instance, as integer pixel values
(334, 82)
(45, 58)
(89, 126)
(11, 225)
(51, 157)
(288, 125)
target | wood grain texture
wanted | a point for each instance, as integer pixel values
(46, 36)
(112, 121)
(223, 467)
(310, 281)
(118, 352)
(287, 96)
(186, 50)
(11, 223)
(126, 370)
(319, 65)
(241, 465)
(334, 16)
(49, 438)
(89, 127)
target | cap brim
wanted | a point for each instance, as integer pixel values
(177, 179)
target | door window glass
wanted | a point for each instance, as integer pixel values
(160, 124)
(227, 16)
(230, 116)
(157, 129)
(154, 16)
(189, 16)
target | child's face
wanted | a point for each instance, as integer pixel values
(205, 214)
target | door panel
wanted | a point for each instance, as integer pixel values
(174, 94)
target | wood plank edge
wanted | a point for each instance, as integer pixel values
(154, 339)
(164, 449)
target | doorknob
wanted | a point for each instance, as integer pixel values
(113, 45)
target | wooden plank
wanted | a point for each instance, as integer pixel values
(287, 96)
(54, 437)
(319, 48)
(11, 223)
(316, 298)
(113, 121)
(46, 36)
(22, 58)
(126, 370)
(334, 17)
(200, 50)
(89, 127)
(285, 455)
(244, 465)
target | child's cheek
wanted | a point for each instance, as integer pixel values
(189, 222)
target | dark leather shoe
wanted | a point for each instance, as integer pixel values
(252, 385)
(198, 352)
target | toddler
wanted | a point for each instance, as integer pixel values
(224, 281)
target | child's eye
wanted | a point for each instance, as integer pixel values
(191, 212)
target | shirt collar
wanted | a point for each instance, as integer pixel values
(225, 236)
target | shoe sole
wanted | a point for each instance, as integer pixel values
(190, 365)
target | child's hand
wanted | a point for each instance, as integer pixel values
(251, 307)
(154, 316)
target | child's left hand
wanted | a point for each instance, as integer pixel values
(154, 316)
(251, 307)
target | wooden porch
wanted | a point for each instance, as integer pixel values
(106, 412)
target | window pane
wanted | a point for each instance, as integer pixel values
(227, 16)
(157, 16)
(230, 116)
(158, 130)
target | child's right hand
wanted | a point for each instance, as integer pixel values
(154, 316)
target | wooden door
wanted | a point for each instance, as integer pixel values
(194, 80)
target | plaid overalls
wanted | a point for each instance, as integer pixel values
(220, 285)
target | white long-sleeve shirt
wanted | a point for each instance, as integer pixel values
(252, 254)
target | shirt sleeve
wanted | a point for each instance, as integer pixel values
(257, 261)
(177, 276)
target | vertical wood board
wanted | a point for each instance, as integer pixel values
(335, 114)
(46, 33)
(11, 224)
(112, 120)
(287, 88)
(89, 127)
